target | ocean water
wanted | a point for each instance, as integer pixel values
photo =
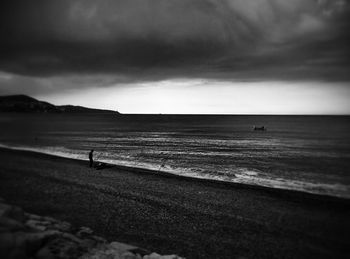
(305, 153)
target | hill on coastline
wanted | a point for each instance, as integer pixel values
(24, 103)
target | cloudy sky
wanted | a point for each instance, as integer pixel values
(179, 56)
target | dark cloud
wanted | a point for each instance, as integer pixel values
(155, 39)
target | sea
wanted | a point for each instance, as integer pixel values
(303, 153)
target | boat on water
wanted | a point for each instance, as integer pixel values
(261, 128)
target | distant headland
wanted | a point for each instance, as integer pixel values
(24, 103)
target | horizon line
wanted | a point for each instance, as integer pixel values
(232, 114)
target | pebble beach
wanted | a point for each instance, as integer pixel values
(175, 215)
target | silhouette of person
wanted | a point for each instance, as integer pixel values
(91, 157)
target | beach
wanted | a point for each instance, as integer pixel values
(172, 214)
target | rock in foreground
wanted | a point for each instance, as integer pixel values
(24, 235)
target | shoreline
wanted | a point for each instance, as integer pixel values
(285, 193)
(173, 214)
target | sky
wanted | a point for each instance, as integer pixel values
(179, 56)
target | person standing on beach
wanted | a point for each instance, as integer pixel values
(91, 157)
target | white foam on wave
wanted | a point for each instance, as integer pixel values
(236, 175)
(332, 189)
(56, 151)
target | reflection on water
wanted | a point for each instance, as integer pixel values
(308, 153)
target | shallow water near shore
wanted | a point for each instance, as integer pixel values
(305, 153)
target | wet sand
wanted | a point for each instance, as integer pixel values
(170, 214)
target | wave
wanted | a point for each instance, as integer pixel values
(236, 175)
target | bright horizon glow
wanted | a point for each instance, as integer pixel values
(196, 96)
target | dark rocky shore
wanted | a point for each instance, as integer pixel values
(176, 215)
(24, 235)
